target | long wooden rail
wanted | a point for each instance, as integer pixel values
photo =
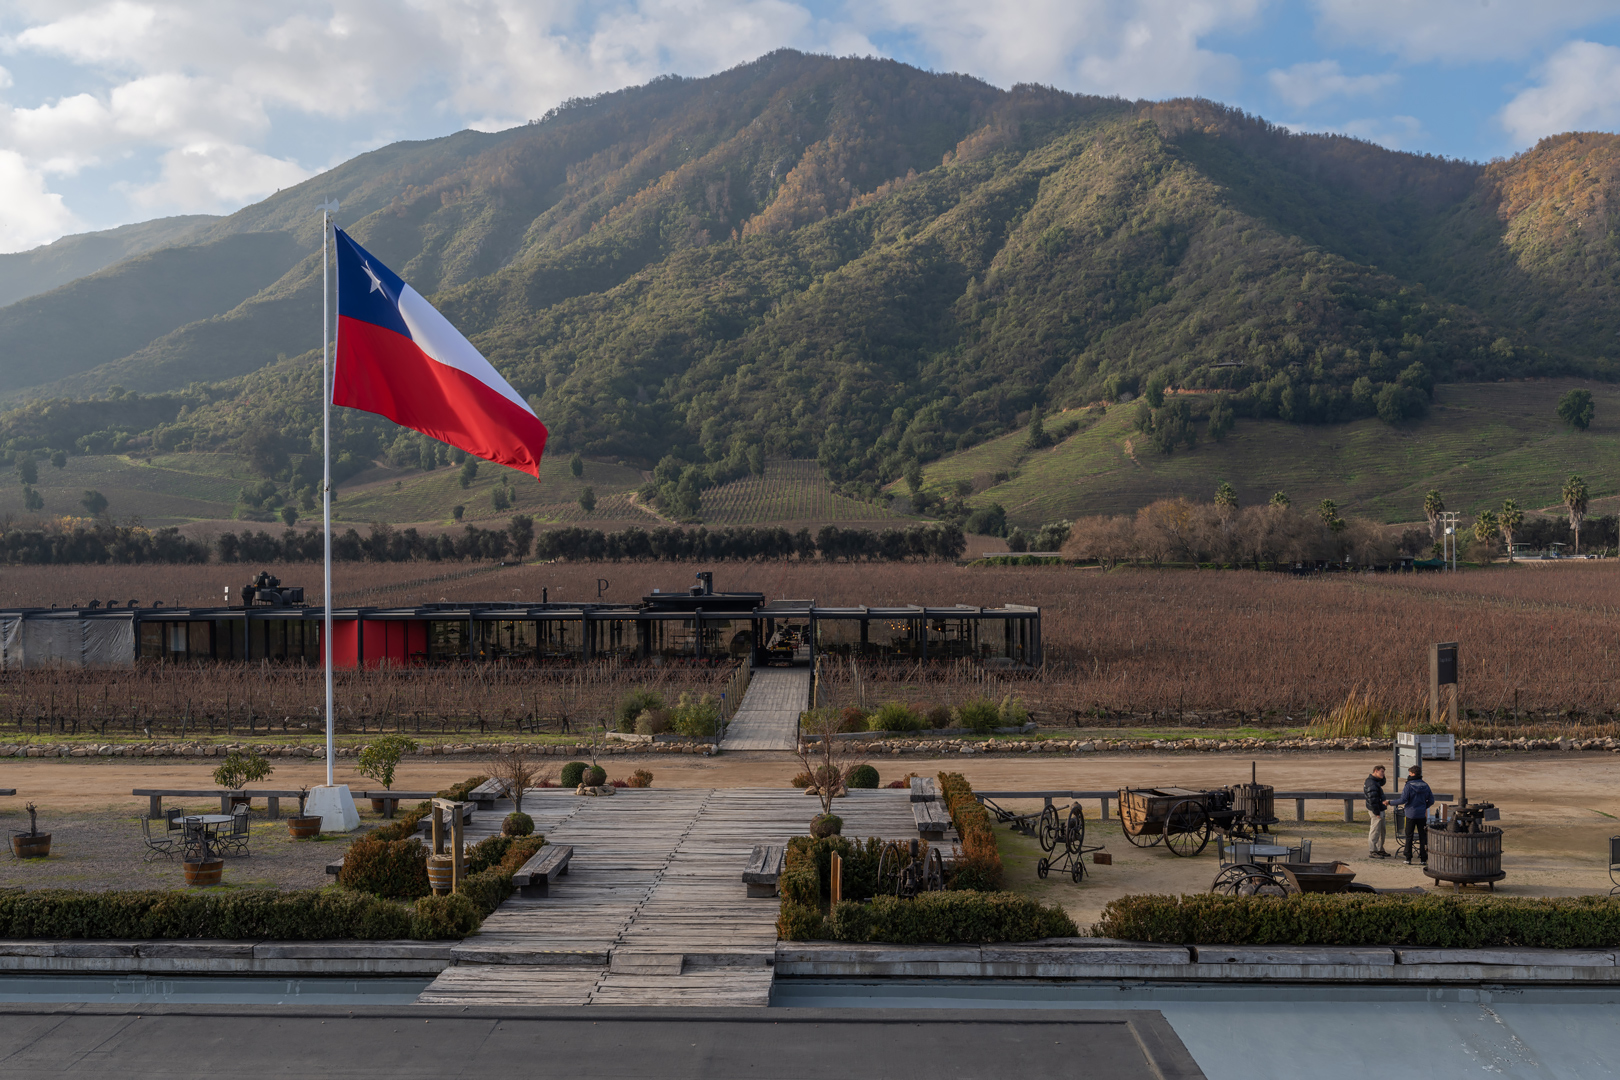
(1349, 798)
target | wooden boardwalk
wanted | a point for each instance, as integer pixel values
(653, 910)
(768, 718)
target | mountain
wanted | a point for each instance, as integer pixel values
(868, 264)
(28, 273)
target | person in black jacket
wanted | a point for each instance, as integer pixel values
(1373, 789)
(1414, 800)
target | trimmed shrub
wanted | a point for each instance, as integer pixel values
(979, 868)
(797, 922)
(851, 719)
(825, 825)
(980, 715)
(937, 716)
(862, 776)
(571, 773)
(517, 824)
(388, 868)
(301, 915)
(435, 918)
(654, 722)
(696, 719)
(1440, 922)
(641, 778)
(491, 864)
(1012, 712)
(593, 776)
(637, 702)
(894, 716)
(944, 918)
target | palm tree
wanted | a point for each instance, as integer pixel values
(1508, 519)
(1281, 499)
(1433, 504)
(1486, 528)
(1575, 499)
(1225, 497)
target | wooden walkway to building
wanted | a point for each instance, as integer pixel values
(768, 718)
(653, 910)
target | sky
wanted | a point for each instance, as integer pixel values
(127, 110)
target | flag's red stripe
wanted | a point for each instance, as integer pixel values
(384, 372)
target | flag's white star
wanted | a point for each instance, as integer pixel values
(376, 282)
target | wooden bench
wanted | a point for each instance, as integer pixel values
(486, 793)
(924, 789)
(8, 791)
(932, 820)
(533, 878)
(764, 870)
(154, 797)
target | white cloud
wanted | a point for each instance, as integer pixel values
(1579, 91)
(1456, 30)
(29, 215)
(1303, 85)
(216, 176)
(1134, 48)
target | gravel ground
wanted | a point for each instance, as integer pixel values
(104, 850)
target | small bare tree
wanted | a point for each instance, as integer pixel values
(827, 760)
(516, 768)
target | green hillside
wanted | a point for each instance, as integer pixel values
(29, 273)
(1481, 443)
(871, 266)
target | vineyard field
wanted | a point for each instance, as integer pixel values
(792, 492)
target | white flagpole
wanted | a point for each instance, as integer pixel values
(326, 454)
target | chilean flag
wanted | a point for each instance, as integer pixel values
(399, 357)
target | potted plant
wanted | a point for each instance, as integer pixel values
(32, 844)
(440, 869)
(303, 826)
(238, 770)
(379, 760)
(204, 867)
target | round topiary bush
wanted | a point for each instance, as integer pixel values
(823, 825)
(571, 773)
(594, 776)
(862, 776)
(517, 823)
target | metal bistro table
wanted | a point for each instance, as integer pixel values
(208, 829)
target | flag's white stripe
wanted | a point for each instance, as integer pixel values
(442, 342)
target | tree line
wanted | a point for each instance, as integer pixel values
(105, 542)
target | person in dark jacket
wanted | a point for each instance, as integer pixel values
(1414, 801)
(1373, 789)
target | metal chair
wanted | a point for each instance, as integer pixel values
(195, 840)
(235, 841)
(163, 845)
(1614, 863)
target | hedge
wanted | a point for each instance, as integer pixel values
(979, 866)
(303, 915)
(1444, 922)
(941, 918)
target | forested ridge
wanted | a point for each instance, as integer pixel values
(873, 265)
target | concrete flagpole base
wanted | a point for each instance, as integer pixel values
(334, 806)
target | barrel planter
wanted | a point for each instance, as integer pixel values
(304, 828)
(204, 871)
(439, 869)
(379, 806)
(31, 846)
(1465, 858)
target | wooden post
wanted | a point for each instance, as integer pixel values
(1349, 809)
(456, 870)
(438, 829)
(837, 878)
(1105, 808)
(1443, 672)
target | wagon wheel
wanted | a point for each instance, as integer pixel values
(1041, 868)
(1048, 828)
(1138, 836)
(1226, 882)
(1259, 883)
(1077, 868)
(1074, 834)
(1186, 828)
(933, 871)
(891, 864)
